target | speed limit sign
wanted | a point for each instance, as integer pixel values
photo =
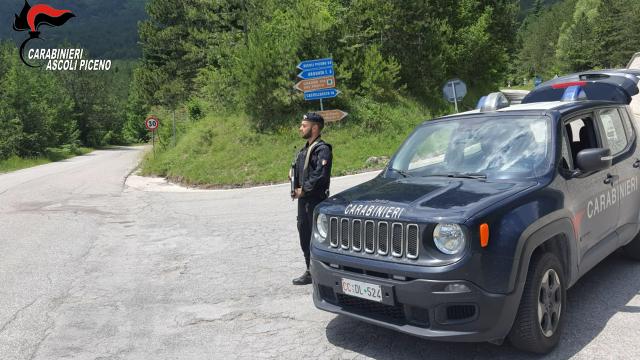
(152, 123)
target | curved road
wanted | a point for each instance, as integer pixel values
(91, 268)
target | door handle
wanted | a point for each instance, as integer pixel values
(610, 179)
(636, 164)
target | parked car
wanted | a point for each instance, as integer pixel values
(482, 220)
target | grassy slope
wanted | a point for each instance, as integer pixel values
(221, 151)
(17, 163)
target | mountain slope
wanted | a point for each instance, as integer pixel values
(108, 29)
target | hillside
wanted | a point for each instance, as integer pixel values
(108, 29)
(222, 150)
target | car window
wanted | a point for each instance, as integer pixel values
(627, 117)
(567, 160)
(635, 105)
(495, 146)
(581, 133)
(432, 150)
(613, 128)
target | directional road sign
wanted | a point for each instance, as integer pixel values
(314, 64)
(321, 94)
(454, 90)
(332, 115)
(316, 73)
(315, 84)
(151, 122)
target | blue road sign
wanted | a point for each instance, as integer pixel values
(314, 64)
(316, 73)
(321, 94)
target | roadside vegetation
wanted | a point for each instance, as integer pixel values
(225, 70)
(392, 58)
(224, 150)
(576, 35)
(43, 111)
(241, 112)
(50, 155)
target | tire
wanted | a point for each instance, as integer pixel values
(632, 249)
(540, 317)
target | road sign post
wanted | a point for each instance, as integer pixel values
(455, 97)
(318, 83)
(152, 123)
(321, 94)
(314, 64)
(333, 115)
(454, 90)
(326, 82)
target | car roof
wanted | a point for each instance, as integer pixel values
(561, 108)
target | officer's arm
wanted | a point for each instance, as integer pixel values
(321, 171)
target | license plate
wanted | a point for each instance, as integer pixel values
(362, 290)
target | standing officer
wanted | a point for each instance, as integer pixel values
(312, 172)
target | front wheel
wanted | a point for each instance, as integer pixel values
(540, 316)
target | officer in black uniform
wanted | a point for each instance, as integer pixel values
(312, 173)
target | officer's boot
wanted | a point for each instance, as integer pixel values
(305, 279)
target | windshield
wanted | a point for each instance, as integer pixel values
(492, 147)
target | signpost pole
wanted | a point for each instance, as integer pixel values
(455, 96)
(321, 107)
(153, 142)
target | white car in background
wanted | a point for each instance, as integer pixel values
(634, 64)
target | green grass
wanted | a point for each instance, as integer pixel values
(52, 154)
(225, 151)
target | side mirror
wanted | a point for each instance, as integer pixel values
(595, 159)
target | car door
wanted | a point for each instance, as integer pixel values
(589, 196)
(619, 137)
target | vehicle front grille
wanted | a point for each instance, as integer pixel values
(344, 233)
(369, 236)
(356, 235)
(333, 232)
(412, 241)
(396, 239)
(383, 238)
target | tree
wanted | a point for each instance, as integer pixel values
(136, 112)
(36, 111)
(538, 5)
(539, 39)
(166, 76)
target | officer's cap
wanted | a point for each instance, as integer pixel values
(314, 117)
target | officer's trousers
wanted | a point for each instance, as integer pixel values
(305, 223)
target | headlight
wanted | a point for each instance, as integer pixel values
(321, 226)
(449, 238)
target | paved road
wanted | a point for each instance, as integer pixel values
(93, 269)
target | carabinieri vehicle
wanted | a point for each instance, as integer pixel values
(482, 220)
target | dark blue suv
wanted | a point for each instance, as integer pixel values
(482, 220)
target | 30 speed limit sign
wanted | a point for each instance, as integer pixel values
(152, 123)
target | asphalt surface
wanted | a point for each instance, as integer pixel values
(93, 268)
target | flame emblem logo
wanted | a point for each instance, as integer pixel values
(31, 18)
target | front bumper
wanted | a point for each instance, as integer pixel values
(419, 307)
